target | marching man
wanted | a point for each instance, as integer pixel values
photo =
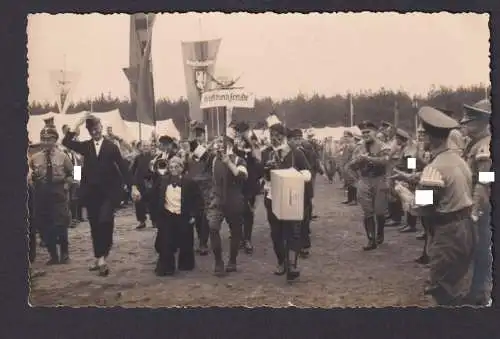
(285, 235)
(104, 174)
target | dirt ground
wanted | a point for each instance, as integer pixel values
(337, 274)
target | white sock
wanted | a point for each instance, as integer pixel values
(101, 262)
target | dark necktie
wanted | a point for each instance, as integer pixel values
(50, 172)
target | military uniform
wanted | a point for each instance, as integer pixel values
(349, 176)
(52, 172)
(395, 207)
(477, 154)
(371, 162)
(451, 232)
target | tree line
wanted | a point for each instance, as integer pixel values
(301, 111)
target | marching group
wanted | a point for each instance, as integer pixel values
(197, 185)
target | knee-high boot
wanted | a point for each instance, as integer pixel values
(380, 228)
(370, 229)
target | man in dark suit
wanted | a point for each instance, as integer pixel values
(104, 174)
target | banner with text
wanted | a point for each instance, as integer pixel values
(227, 98)
(199, 58)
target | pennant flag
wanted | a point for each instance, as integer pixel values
(396, 114)
(140, 73)
(145, 91)
(351, 111)
(63, 84)
(199, 59)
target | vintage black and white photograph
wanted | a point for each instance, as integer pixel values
(308, 160)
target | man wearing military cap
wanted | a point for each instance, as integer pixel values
(348, 175)
(451, 235)
(104, 174)
(475, 124)
(371, 162)
(51, 175)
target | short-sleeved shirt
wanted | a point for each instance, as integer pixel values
(450, 178)
(475, 153)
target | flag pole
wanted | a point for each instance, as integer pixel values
(396, 114)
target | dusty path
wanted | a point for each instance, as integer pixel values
(338, 273)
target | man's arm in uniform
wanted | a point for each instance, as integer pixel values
(430, 179)
(481, 191)
(68, 168)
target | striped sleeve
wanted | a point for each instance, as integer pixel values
(483, 153)
(431, 177)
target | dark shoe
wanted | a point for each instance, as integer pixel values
(292, 274)
(141, 226)
(103, 270)
(219, 270)
(380, 239)
(64, 259)
(421, 236)
(231, 267)
(247, 246)
(304, 253)
(408, 229)
(280, 270)
(423, 260)
(203, 250)
(370, 246)
(52, 261)
(392, 223)
(36, 274)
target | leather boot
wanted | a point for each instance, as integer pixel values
(292, 271)
(215, 241)
(370, 233)
(380, 229)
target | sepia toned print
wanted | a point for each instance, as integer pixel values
(320, 160)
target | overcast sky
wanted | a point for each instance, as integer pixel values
(279, 55)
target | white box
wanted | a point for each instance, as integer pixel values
(287, 191)
(77, 173)
(486, 177)
(424, 197)
(411, 163)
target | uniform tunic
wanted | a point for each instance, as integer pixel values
(347, 173)
(51, 198)
(452, 237)
(477, 154)
(372, 184)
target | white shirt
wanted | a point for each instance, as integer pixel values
(97, 145)
(173, 199)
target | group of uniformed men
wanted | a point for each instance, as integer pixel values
(384, 169)
(196, 185)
